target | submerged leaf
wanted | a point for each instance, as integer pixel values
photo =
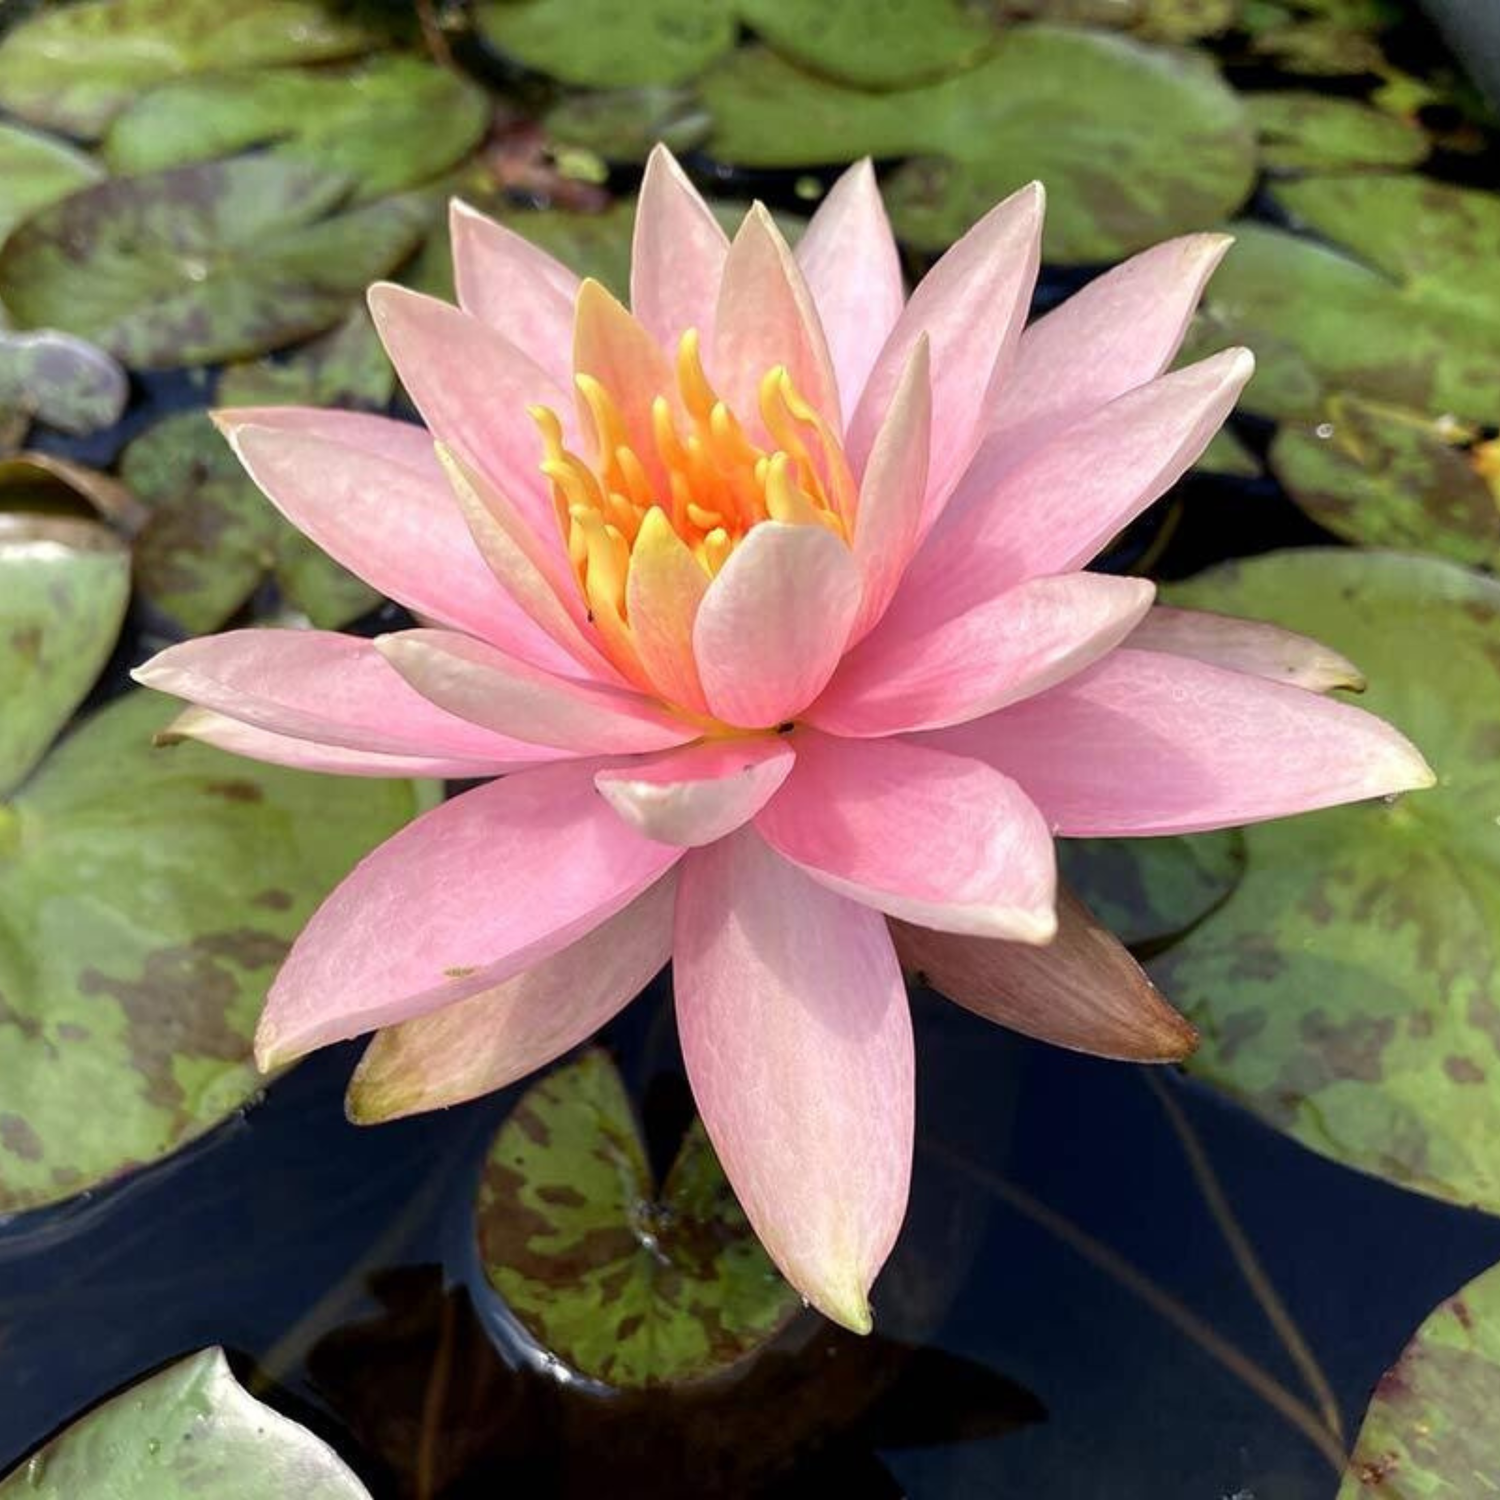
(627, 1286)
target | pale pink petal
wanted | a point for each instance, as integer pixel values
(700, 793)
(928, 837)
(499, 1035)
(223, 733)
(677, 259)
(515, 287)
(1060, 507)
(918, 672)
(972, 306)
(1247, 646)
(321, 686)
(1123, 329)
(1083, 990)
(765, 317)
(473, 388)
(774, 623)
(853, 269)
(663, 593)
(797, 1039)
(1143, 743)
(485, 686)
(371, 494)
(893, 489)
(469, 895)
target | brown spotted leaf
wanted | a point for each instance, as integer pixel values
(625, 1284)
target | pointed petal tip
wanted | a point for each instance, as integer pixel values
(374, 1099)
(842, 1299)
(271, 1053)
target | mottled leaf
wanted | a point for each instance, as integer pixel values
(61, 380)
(627, 1286)
(624, 124)
(146, 898)
(1346, 990)
(1319, 49)
(64, 585)
(206, 262)
(74, 67)
(189, 1431)
(36, 170)
(1134, 143)
(388, 124)
(1304, 131)
(347, 366)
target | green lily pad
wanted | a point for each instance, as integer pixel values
(610, 43)
(146, 898)
(207, 262)
(64, 585)
(881, 46)
(387, 124)
(1319, 48)
(624, 124)
(1303, 131)
(74, 67)
(624, 1284)
(1135, 143)
(1346, 989)
(213, 536)
(1186, 20)
(36, 170)
(61, 380)
(192, 1430)
(1390, 478)
(1430, 1432)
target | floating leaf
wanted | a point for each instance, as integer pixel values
(1134, 143)
(626, 1286)
(388, 124)
(192, 1430)
(346, 366)
(206, 262)
(1304, 131)
(1186, 20)
(61, 380)
(606, 44)
(1319, 49)
(146, 897)
(1346, 989)
(64, 585)
(74, 67)
(624, 124)
(1430, 1432)
(36, 170)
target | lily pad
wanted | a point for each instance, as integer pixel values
(624, 124)
(1186, 20)
(387, 124)
(191, 1430)
(36, 170)
(1346, 989)
(625, 1285)
(146, 897)
(611, 43)
(61, 380)
(74, 67)
(1430, 1431)
(1301, 131)
(347, 366)
(207, 262)
(44, 484)
(64, 585)
(213, 536)
(1134, 142)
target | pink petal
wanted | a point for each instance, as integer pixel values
(516, 288)
(971, 305)
(927, 837)
(1083, 990)
(371, 494)
(920, 670)
(1143, 743)
(1060, 507)
(328, 688)
(700, 793)
(853, 269)
(1247, 646)
(765, 317)
(893, 489)
(677, 259)
(1123, 329)
(469, 895)
(797, 1040)
(484, 686)
(223, 733)
(475, 1046)
(663, 593)
(774, 623)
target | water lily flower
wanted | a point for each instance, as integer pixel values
(763, 603)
